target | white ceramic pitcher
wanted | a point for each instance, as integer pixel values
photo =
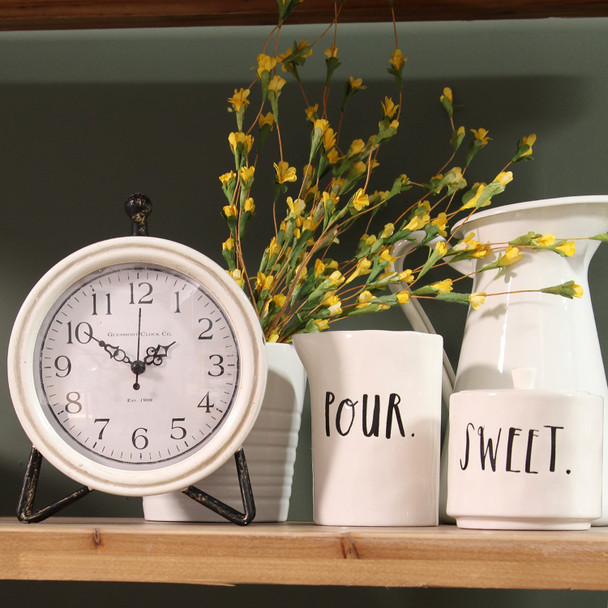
(554, 336)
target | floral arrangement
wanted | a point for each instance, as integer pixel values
(298, 285)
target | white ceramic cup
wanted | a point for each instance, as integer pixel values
(525, 459)
(376, 425)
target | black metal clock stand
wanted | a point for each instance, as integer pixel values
(138, 207)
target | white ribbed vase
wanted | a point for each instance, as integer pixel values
(270, 449)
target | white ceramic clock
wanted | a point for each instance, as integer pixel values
(136, 366)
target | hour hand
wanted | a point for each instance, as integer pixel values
(156, 354)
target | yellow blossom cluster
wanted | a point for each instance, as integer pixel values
(298, 286)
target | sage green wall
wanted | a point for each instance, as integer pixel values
(87, 118)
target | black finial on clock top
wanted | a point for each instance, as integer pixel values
(138, 208)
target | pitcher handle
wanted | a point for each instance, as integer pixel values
(415, 313)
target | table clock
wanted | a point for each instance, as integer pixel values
(136, 366)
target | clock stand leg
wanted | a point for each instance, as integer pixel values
(25, 508)
(223, 509)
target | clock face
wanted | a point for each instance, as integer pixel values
(136, 366)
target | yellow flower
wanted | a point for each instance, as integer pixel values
(389, 107)
(477, 299)
(356, 83)
(230, 210)
(237, 275)
(510, 256)
(322, 324)
(359, 167)
(481, 135)
(330, 198)
(357, 147)
(274, 247)
(319, 267)
(480, 251)
(329, 138)
(246, 173)
(227, 177)
(397, 59)
(266, 119)
(388, 231)
(311, 111)
(364, 299)
(263, 282)
(273, 337)
(441, 221)
(331, 51)
(238, 137)
(363, 267)
(406, 276)
(296, 207)
(333, 157)
(228, 244)
(360, 200)
(285, 173)
(265, 64)
(386, 256)
(546, 240)
(472, 202)
(336, 278)
(447, 95)
(239, 99)
(249, 205)
(279, 299)
(403, 296)
(444, 286)
(418, 222)
(468, 243)
(276, 83)
(320, 124)
(567, 249)
(504, 177)
(530, 140)
(441, 248)
(578, 291)
(333, 304)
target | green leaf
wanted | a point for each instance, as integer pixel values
(285, 8)
(525, 239)
(458, 298)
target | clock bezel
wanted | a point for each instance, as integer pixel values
(249, 338)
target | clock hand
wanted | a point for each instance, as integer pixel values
(115, 352)
(156, 354)
(138, 367)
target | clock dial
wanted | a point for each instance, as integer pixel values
(136, 366)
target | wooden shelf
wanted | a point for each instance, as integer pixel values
(72, 14)
(133, 550)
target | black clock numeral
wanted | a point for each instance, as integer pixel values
(207, 327)
(139, 439)
(218, 369)
(205, 402)
(104, 423)
(73, 405)
(82, 333)
(177, 309)
(108, 306)
(63, 366)
(177, 431)
(146, 297)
